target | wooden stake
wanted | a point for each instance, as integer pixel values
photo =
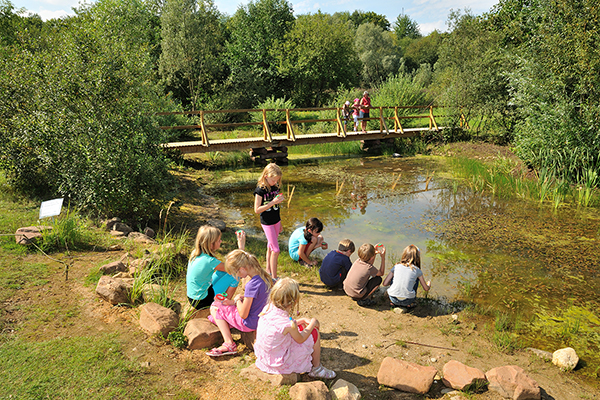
(340, 190)
(290, 198)
(397, 179)
(429, 180)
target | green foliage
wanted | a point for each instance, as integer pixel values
(423, 50)
(359, 18)
(69, 232)
(404, 27)
(376, 51)
(178, 339)
(274, 116)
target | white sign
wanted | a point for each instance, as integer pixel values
(51, 208)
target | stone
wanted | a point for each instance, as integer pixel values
(121, 227)
(115, 291)
(137, 265)
(118, 234)
(113, 267)
(315, 390)
(149, 232)
(544, 355)
(126, 259)
(512, 382)
(217, 223)
(30, 234)
(400, 310)
(405, 376)
(122, 275)
(155, 319)
(344, 390)
(202, 334)
(459, 376)
(253, 373)
(139, 237)
(566, 359)
(111, 222)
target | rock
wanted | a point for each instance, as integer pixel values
(111, 268)
(111, 222)
(566, 359)
(405, 376)
(115, 291)
(115, 247)
(512, 382)
(248, 338)
(400, 310)
(137, 265)
(253, 373)
(141, 238)
(544, 355)
(217, 223)
(344, 390)
(202, 334)
(149, 232)
(30, 234)
(155, 318)
(458, 376)
(121, 227)
(118, 234)
(122, 275)
(127, 259)
(315, 390)
(151, 290)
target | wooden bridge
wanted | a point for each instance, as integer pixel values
(278, 143)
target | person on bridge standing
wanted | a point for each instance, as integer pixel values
(266, 203)
(365, 106)
(356, 113)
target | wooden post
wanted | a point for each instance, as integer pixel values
(203, 130)
(266, 132)
(289, 128)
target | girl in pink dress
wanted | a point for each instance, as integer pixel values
(285, 345)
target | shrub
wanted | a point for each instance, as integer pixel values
(273, 116)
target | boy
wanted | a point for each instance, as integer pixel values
(336, 264)
(364, 278)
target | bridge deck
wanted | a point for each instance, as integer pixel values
(282, 140)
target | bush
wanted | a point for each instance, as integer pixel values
(272, 116)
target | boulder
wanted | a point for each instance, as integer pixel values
(458, 376)
(126, 259)
(253, 373)
(344, 390)
(121, 227)
(149, 232)
(315, 390)
(202, 334)
(30, 234)
(118, 234)
(248, 338)
(111, 222)
(139, 237)
(512, 382)
(155, 318)
(115, 291)
(566, 359)
(113, 267)
(137, 265)
(405, 376)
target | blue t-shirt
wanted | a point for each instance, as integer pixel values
(221, 281)
(257, 289)
(296, 239)
(331, 267)
(199, 276)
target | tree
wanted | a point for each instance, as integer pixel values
(423, 50)
(360, 17)
(317, 56)
(192, 49)
(404, 27)
(376, 50)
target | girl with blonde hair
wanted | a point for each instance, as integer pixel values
(405, 277)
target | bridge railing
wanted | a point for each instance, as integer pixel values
(396, 114)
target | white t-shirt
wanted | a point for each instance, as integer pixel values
(403, 281)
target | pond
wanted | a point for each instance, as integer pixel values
(505, 255)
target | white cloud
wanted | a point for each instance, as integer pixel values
(429, 27)
(47, 14)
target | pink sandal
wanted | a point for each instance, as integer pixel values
(230, 349)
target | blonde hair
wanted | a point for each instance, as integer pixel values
(346, 244)
(237, 259)
(270, 171)
(411, 257)
(366, 252)
(285, 295)
(205, 240)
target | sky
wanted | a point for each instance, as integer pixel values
(429, 14)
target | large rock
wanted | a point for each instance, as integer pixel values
(405, 376)
(149, 232)
(566, 359)
(155, 318)
(344, 390)
(201, 334)
(30, 234)
(458, 376)
(139, 237)
(113, 267)
(512, 382)
(121, 227)
(115, 291)
(316, 390)
(253, 373)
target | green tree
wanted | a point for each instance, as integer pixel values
(192, 49)
(404, 27)
(377, 52)
(424, 50)
(359, 17)
(317, 56)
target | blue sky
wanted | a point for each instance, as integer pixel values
(429, 14)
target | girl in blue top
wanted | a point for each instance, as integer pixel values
(203, 263)
(304, 240)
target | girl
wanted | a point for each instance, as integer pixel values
(356, 113)
(242, 312)
(284, 345)
(304, 240)
(405, 278)
(203, 263)
(266, 203)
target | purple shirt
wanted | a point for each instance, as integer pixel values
(256, 288)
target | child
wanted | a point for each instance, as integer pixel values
(203, 264)
(356, 113)
(266, 203)
(365, 106)
(242, 312)
(405, 278)
(336, 264)
(363, 278)
(304, 240)
(284, 345)
(346, 112)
